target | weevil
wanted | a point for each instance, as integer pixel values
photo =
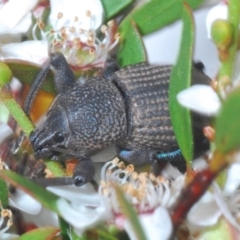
(127, 107)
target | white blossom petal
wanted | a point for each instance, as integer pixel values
(32, 51)
(8, 236)
(200, 98)
(15, 16)
(44, 218)
(157, 225)
(222, 204)
(205, 212)
(5, 132)
(80, 216)
(233, 179)
(76, 8)
(217, 12)
(84, 194)
(24, 202)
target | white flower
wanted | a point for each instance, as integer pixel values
(72, 29)
(15, 16)
(200, 98)
(149, 196)
(6, 219)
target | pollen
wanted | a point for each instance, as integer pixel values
(130, 168)
(72, 29)
(88, 13)
(40, 24)
(117, 36)
(60, 15)
(76, 19)
(110, 23)
(103, 28)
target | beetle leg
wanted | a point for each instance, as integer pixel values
(137, 157)
(156, 159)
(83, 173)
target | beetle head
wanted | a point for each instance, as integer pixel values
(52, 134)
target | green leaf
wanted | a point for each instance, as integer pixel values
(44, 233)
(111, 7)
(227, 125)
(130, 213)
(26, 72)
(47, 199)
(181, 79)
(65, 228)
(3, 193)
(132, 49)
(156, 14)
(222, 230)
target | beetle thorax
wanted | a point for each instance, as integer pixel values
(96, 115)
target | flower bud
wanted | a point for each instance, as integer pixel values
(5, 74)
(222, 33)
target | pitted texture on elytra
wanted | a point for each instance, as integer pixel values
(96, 114)
(145, 89)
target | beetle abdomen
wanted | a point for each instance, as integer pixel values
(145, 90)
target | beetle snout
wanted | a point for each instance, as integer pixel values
(39, 146)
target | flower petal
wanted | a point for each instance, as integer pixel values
(233, 179)
(222, 204)
(32, 51)
(200, 98)
(157, 225)
(24, 202)
(84, 194)
(76, 8)
(5, 132)
(80, 216)
(8, 236)
(205, 212)
(10, 20)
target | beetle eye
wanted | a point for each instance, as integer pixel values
(58, 137)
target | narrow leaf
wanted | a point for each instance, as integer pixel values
(181, 79)
(113, 7)
(228, 125)
(3, 193)
(156, 14)
(44, 233)
(47, 199)
(132, 49)
(130, 213)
